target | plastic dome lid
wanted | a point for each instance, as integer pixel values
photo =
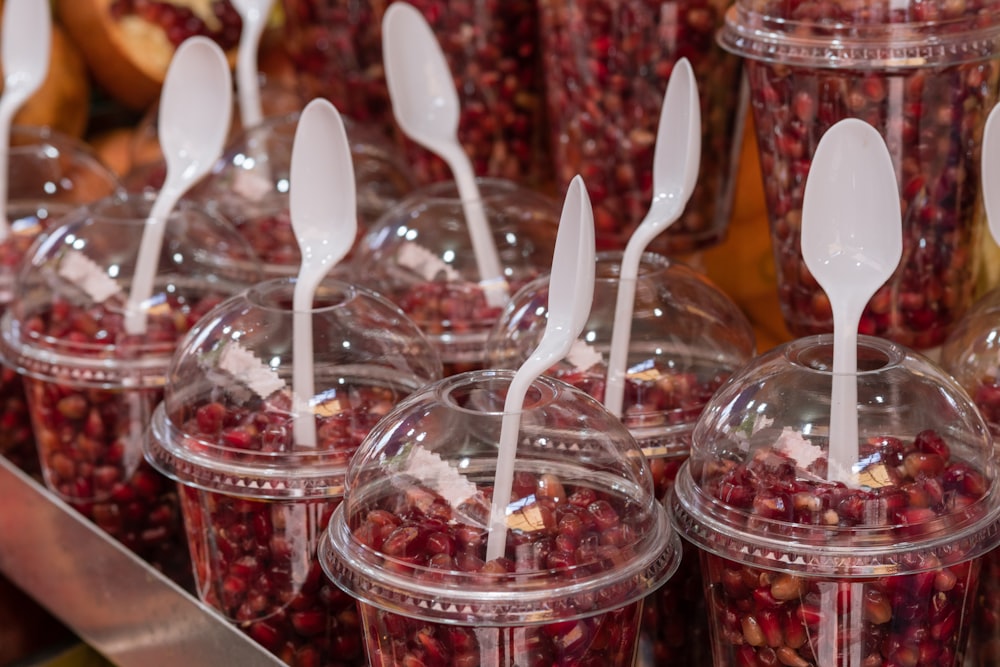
(971, 353)
(66, 320)
(420, 255)
(249, 186)
(687, 338)
(430, 465)
(226, 421)
(755, 487)
(863, 35)
(49, 175)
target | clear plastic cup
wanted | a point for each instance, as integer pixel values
(607, 64)
(687, 339)
(882, 571)
(49, 175)
(925, 74)
(249, 186)
(256, 499)
(420, 256)
(91, 388)
(971, 355)
(586, 540)
(491, 49)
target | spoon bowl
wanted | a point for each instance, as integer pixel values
(426, 106)
(675, 171)
(323, 210)
(25, 50)
(195, 113)
(571, 295)
(852, 241)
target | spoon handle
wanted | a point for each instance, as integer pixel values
(844, 392)
(247, 84)
(487, 259)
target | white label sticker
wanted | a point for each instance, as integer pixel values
(423, 261)
(251, 185)
(583, 356)
(435, 472)
(85, 272)
(797, 448)
(248, 369)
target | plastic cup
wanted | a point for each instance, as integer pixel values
(970, 355)
(491, 49)
(586, 538)
(419, 255)
(49, 174)
(249, 186)
(925, 76)
(91, 388)
(805, 571)
(607, 64)
(687, 339)
(255, 501)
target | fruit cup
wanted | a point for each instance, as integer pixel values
(255, 497)
(420, 256)
(586, 538)
(607, 64)
(491, 49)
(49, 174)
(970, 354)
(925, 75)
(687, 339)
(249, 186)
(91, 387)
(880, 569)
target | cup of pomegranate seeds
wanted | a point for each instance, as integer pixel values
(255, 496)
(492, 51)
(881, 569)
(687, 339)
(249, 186)
(971, 353)
(49, 175)
(420, 256)
(586, 538)
(91, 387)
(607, 64)
(925, 75)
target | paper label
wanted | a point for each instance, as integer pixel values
(88, 275)
(583, 356)
(418, 258)
(435, 472)
(249, 370)
(251, 185)
(797, 448)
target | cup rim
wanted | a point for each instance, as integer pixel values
(496, 600)
(904, 45)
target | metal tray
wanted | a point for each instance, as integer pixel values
(112, 599)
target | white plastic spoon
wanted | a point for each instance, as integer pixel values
(571, 295)
(254, 14)
(675, 172)
(323, 209)
(195, 111)
(25, 50)
(990, 176)
(426, 106)
(852, 241)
